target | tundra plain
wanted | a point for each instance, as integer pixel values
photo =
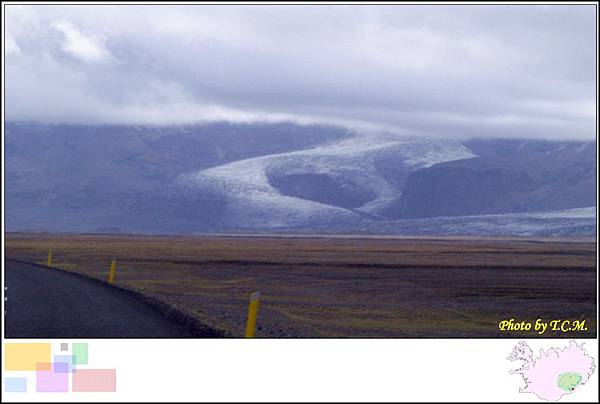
(343, 286)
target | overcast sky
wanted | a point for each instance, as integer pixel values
(462, 71)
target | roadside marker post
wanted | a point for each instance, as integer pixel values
(252, 311)
(49, 262)
(111, 274)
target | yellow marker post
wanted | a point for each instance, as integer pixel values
(252, 311)
(111, 274)
(49, 263)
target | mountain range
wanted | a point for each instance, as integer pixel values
(265, 177)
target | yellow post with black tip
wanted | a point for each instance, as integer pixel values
(49, 262)
(111, 274)
(252, 312)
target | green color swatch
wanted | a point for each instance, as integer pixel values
(80, 354)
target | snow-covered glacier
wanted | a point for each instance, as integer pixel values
(261, 177)
(252, 201)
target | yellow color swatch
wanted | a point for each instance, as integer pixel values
(25, 356)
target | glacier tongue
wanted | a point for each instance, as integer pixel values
(253, 202)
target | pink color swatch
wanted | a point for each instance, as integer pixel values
(95, 380)
(50, 381)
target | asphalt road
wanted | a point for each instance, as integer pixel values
(46, 302)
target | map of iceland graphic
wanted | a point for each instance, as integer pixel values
(555, 372)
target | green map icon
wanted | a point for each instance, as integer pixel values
(568, 380)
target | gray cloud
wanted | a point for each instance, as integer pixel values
(504, 71)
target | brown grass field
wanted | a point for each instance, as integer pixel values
(343, 287)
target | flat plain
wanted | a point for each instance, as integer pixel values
(343, 286)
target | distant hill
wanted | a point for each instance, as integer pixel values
(507, 176)
(222, 177)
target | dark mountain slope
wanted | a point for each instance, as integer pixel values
(508, 176)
